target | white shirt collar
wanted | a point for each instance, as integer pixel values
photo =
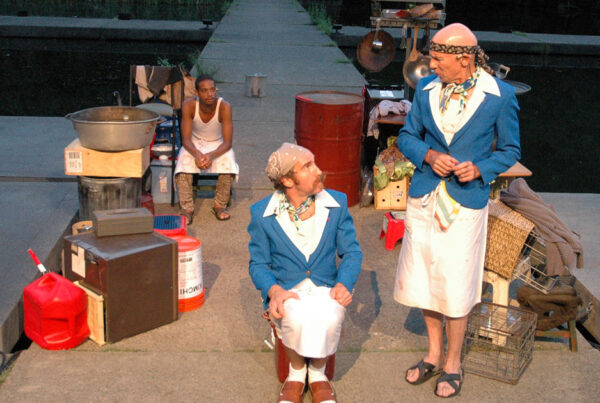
(485, 83)
(322, 199)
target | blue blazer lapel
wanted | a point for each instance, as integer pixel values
(283, 240)
(430, 122)
(466, 126)
(328, 232)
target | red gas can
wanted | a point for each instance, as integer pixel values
(55, 312)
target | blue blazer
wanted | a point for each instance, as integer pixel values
(496, 118)
(274, 259)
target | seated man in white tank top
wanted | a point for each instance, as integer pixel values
(207, 138)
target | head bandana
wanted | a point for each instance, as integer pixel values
(284, 159)
(480, 57)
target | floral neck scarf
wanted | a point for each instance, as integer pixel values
(460, 89)
(285, 205)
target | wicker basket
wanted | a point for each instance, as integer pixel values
(506, 236)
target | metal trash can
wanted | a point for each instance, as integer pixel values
(256, 85)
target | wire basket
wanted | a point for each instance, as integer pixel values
(531, 266)
(506, 235)
(498, 341)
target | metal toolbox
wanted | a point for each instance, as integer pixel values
(122, 221)
(135, 274)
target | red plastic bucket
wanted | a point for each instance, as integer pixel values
(329, 123)
(191, 286)
(55, 313)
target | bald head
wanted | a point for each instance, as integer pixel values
(455, 34)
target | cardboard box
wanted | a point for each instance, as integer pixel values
(135, 274)
(393, 197)
(122, 221)
(121, 164)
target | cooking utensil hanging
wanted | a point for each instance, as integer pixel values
(416, 65)
(375, 58)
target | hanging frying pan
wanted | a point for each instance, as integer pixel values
(375, 57)
(416, 65)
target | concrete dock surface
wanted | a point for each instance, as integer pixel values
(217, 352)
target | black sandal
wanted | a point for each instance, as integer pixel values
(426, 372)
(450, 379)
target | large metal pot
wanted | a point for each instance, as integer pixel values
(114, 128)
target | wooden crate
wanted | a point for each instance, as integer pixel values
(95, 314)
(393, 197)
(122, 164)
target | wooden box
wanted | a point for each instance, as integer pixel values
(135, 274)
(121, 164)
(393, 197)
(95, 314)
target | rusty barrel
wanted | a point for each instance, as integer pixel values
(329, 123)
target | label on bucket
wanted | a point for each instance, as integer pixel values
(190, 273)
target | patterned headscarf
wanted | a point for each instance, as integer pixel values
(284, 159)
(480, 57)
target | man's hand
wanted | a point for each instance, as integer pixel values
(466, 171)
(277, 296)
(341, 294)
(442, 164)
(203, 161)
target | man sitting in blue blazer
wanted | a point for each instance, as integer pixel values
(296, 235)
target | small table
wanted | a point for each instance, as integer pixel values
(504, 179)
(392, 120)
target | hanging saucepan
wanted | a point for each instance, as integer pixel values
(416, 66)
(501, 71)
(376, 50)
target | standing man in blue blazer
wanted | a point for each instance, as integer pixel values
(296, 235)
(456, 116)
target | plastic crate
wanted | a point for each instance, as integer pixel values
(170, 225)
(498, 341)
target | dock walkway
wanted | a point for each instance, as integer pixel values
(217, 353)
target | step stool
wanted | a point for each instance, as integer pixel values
(392, 229)
(570, 333)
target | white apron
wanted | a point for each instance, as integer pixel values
(206, 137)
(441, 271)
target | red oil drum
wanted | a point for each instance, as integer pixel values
(191, 286)
(329, 123)
(55, 312)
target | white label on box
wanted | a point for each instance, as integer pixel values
(78, 262)
(74, 161)
(386, 94)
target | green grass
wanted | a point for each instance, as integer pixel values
(319, 17)
(200, 66)
(194, 10)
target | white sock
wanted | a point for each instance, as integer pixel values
(297, 375)
(316, 374)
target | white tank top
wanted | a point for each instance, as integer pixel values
(210, 131)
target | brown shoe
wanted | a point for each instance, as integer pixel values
(322, 391)
(291, 391)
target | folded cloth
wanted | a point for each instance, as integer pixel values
(446, 208)
(554, 309)
(142, 84)
(384, 108)
(563, 246)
